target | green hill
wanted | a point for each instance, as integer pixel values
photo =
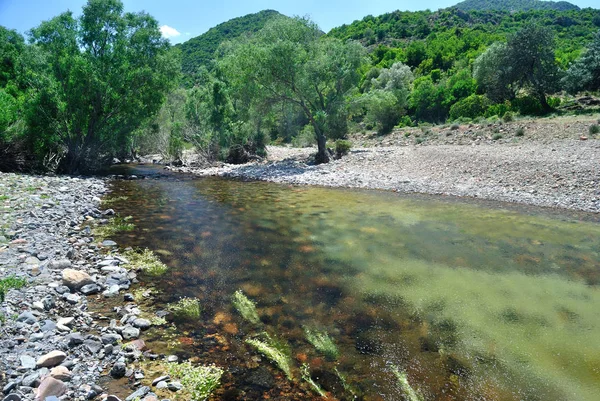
(200, 50)
(514, 5)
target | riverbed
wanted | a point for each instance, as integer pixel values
(470, 300)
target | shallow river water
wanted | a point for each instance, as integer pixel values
(472, 301)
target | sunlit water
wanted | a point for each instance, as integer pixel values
(472, 301)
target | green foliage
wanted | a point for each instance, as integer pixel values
(289, 62)
(520, 132)
(470, 107)
(528, 105)
(245, 307)
(429, 100)
(497, 136)
(514, 5)
(508, 117)
(305, 372)
(99, 77)
(115, 225)
(200, 51)
(8, 283)
(322, 342)
(342, 147)
(305, 138)
(584, 73)
(275, 351)
(147, 261)
(409, 392)
(186, 309)
(594, 129)
(199, 381)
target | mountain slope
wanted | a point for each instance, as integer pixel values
(514, 5)
(199, 51)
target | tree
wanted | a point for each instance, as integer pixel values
(527, 62)
(288, 61)
(584, 73)
(106, 73)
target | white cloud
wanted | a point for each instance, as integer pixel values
(169, 32)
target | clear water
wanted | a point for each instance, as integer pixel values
(472, 301)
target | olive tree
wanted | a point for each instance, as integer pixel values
(584, 73)
(289, 61)
(106, 73)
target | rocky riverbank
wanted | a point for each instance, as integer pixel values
(544, 164)
(51, 268)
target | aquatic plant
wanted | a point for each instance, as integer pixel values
(186, 309)
(199, 381)
(305, 371)
(275, 351)
(322, 342)
(110, 201)
(409, 393)
(115, 225)
(245, 307)
(147, 261)
(8, 283)
(344, 382)
(158, 321)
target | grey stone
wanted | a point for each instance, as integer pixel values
(112, 291)
(50, 387)
(109, 244)
(10, 386)
(118, 370)
(161, 379)
(27, 361)
(113, 398)
(27, 317)
(75, 279)
(12, 397)
(111, 338)
(73, 298)
(74, 339)
(32, 380)
(139, 393)
(90, 289)
(172, 358)
(48, 325)
(51, 359)
(161, 385)
(130, 332)
(92, 346)
(174, 386)
(143, 324)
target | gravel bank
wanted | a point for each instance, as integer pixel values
(51, 345)
(562, 173)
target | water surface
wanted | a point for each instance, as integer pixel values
(472, 301)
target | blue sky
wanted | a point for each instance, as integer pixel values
(182, 19)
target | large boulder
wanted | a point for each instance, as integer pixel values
(50, 387)
(75, 279)
(51, 359)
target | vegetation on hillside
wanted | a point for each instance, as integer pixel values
(515, 5)
(106, 85)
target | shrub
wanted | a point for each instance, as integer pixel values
(594, 129)
(6, 284)
(275, 351)
(146, 261)
(245, 307)
(520, 132)
(322, 342)
(199, 381)
(508, 117)
(454, 127)
(528, 105)
(499, 109)
(342, 147)
(471, 107)
(186, 309)
(497, 137)
(305, 138)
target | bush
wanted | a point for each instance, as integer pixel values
(499, 109)
(594, 129)
(497, 137)
(305, 138)
(454, 127)
(6, 284)
(342, 148)
(528, 105)
(508, 117)
(520, 132)
(471, 107)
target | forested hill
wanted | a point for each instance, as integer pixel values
(440, 40)
(200, 50)
(514, 5)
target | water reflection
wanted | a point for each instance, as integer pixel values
(471, 302)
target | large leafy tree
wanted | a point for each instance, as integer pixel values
(288, 61)
(527, 61)
(584, 73)
(107, 72)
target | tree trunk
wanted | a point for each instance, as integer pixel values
(322, 153)
(545, 106)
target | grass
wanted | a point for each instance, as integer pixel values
(4, 197)
(146, 261)
(594, 129)
(8, 283)
(305, 372)
(245, 307)
(115, 225)
(322, 342)
(274, 351)
(110, 201)
(409, 393)
(520, 131)
(199, 381)
(497, 137)
(186, 309)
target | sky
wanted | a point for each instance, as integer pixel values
(184, 19)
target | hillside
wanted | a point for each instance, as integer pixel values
(199, 51)
(514, 5)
